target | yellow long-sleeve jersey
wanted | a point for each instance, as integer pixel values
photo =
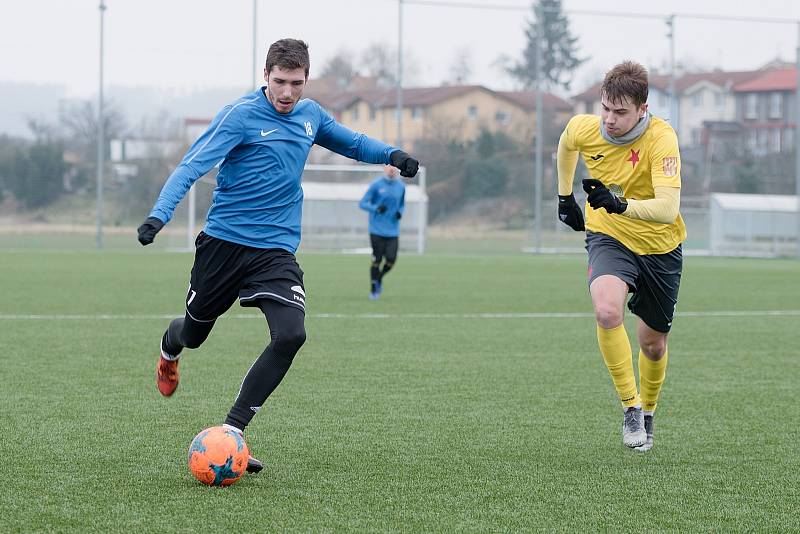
(634, 171)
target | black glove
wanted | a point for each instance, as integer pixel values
(570, 213)
(380, 209)
(407, 165)
(601, 197)
(148, 230)
(398, 215)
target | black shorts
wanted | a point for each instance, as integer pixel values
(224, 271)
(654, 279)
(383, 247)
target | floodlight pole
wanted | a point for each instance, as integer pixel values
(255, 45)
(101, 134)
(673, 98)
(797, 140)
(538, 163)
(422, 214)
(399, 103)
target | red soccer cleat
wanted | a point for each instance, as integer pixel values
(167, 376)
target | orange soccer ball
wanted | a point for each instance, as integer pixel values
(218, 456)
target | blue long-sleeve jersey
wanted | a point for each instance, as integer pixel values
(384, 192)
(261, 153)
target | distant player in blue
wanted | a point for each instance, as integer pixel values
(385, 200)
(246, 249)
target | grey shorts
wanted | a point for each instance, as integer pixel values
(654, 279)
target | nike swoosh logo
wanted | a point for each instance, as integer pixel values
(593, 158)
(264, 134)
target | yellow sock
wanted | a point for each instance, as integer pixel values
(617, 354)
(651, 378)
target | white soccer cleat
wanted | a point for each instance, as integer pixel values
(648, 427)
(633, 431)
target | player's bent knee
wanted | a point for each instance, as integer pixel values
(291, 339)
(654, 350)
(608, 316)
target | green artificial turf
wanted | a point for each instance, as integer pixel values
(470, 398)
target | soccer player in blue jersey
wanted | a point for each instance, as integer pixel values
(385, 200)
(246, 250)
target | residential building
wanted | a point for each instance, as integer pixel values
(706, 97)
(448, 112)
(702, 97)
(557, 111)
(766, 109)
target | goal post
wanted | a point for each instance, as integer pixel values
(332, 220)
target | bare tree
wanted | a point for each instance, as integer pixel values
(79, 123)
(461, 67)
(340, 67)
(380, 61)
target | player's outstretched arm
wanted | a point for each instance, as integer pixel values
(224, 133)
(342, 140)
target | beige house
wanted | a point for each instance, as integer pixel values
(447, 112)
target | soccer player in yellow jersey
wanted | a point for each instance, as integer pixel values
(633, 235)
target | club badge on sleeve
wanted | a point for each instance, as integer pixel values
(670, 166)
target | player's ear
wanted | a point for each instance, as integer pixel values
(643, 110)
(266, 75)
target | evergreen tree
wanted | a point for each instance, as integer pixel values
(559, 48)
(35, 175)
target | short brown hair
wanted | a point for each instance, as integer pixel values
(626, 80)
(288, 54)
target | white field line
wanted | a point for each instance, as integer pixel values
(520, 315)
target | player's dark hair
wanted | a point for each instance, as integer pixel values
(288, 54)
(626, 80)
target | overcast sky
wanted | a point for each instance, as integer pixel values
(188, 44)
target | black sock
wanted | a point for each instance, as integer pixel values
(375, 276)
(287, 334)
(386, 268)
(185, 332)
(170, 343)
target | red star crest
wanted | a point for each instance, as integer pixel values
(634, 159)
